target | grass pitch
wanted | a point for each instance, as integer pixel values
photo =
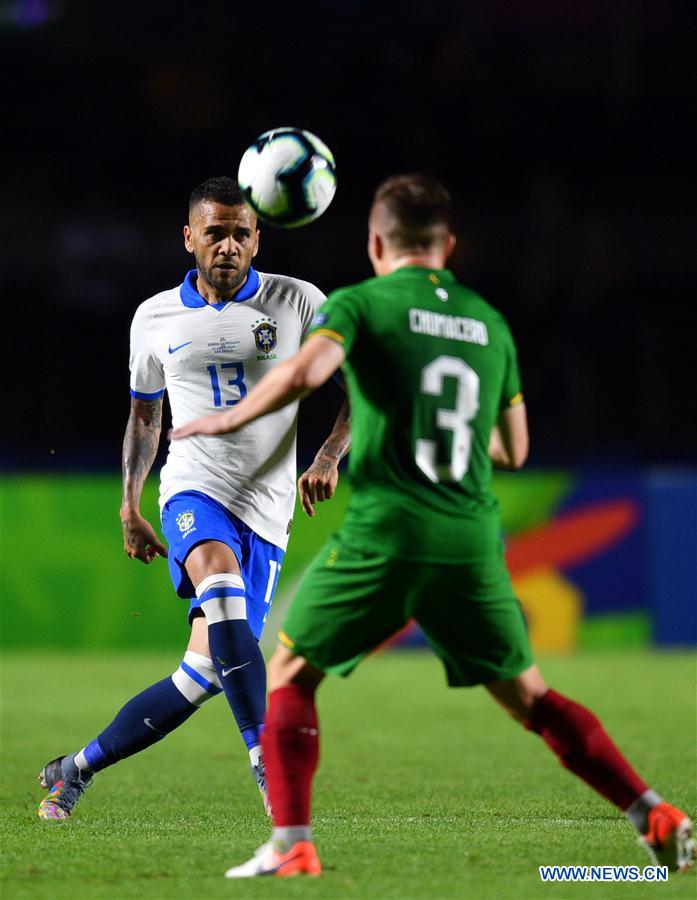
(422, 791)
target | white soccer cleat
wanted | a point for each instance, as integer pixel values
(301, 859)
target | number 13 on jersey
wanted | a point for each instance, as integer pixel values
(237, 381)
(454, 420)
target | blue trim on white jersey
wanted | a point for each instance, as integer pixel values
(249, 288)
(190, 296)
(141, 395)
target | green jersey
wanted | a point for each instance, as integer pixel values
(429, 366)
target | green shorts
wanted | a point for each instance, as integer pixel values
(351, 601)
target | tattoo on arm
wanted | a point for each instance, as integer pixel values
(339, 441)
(140, 444)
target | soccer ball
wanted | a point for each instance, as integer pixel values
(288, 177)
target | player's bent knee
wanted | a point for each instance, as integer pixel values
(286, 668)
(518, 695)
(280, 668)
(196, 678)
(210, 557)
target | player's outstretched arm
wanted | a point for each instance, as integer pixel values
(140, 443)
(319, 482)
(510, 442)
(312, 365)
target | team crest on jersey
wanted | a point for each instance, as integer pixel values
(185, 522)
(265, 334)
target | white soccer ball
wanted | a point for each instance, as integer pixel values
(288, 177)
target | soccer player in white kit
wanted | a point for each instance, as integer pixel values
(226, 502)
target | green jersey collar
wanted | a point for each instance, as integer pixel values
(435, 276)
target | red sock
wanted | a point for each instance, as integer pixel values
(583, 746)
(290, 744)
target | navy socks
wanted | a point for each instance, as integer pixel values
(153, 714)
(236, 668)
(235, 652)
(143, 721)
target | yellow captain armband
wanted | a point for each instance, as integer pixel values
(333, 335)
(516, 399)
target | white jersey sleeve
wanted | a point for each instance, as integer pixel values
(309, 300)
(147, 372)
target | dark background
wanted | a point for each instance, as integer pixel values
(563, 130)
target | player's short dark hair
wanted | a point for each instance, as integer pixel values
(419, 208)
(221, 189)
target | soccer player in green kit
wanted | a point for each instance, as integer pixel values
(436, 398)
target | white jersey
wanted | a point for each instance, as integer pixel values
(209, 356)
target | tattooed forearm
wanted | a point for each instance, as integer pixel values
(339, 441)
(140, 444)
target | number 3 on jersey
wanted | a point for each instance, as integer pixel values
(237, 381)
(454, 420)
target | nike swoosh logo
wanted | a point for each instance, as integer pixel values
(179, 346)
(232, 668)
(152, 727)
(285, 862)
